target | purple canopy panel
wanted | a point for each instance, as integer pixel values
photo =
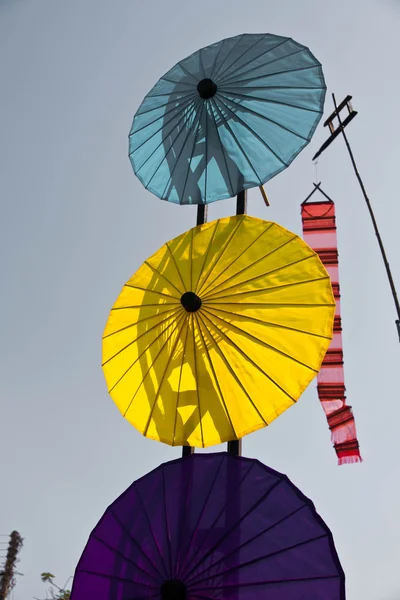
(210, 526)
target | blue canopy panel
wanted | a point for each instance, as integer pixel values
(229, 117)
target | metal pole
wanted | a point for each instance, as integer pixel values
(201, 219)
(235, 446)
(371, 212)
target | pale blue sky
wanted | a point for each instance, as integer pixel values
(76, 223)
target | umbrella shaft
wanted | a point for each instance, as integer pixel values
(201, 214)
(201, 219)
(235, 446)
(241, 203)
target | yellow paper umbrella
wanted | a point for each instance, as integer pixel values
(218, 332)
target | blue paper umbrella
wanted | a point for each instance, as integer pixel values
(227, 118)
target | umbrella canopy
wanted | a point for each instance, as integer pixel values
(218, 332)
(227, 118)
(210, 526)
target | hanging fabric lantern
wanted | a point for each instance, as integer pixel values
(319, 231)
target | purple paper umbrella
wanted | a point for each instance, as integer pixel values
(210, 526)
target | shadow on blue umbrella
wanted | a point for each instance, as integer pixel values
(227, 118)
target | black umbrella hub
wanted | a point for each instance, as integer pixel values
(173, 589)
(206, 88)
(191, 302)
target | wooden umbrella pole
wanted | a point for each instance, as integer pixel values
(371, 212)
(201, 219)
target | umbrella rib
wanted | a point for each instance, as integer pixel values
(189, 132)
(143, 289)
(134, 341)
(212, 103)
(273, 582)
(181, 122)
(179, 106)
(264, 64)
(163, 276)
(179, 82)
(197, 383)
(236, 378)
(198, 318)
(181, 573)
(117, 578)
(229, 128)
(167, 529)
(232, 343)
(186, 573)
(221, 253)
(266, 557)
(237, 258)
(253, 132)
(267, 304)
(255, 537)
(258, 341)
(145, 319)
(176, 266)
(248, 266)
(216, 223)
(232, 527)
(271, 324)
(270, 87)
(150, 529)
(181, 100)
(252, 279)
(183, 318)
(254, 58)
(192, 110)
(179, 384)
(187, 73)
(220, 46)
(267, 75)
(145, 305)
(226, 72)
(139, 357)
(218, 71)
(168, 94)
(269, 101)
(181, 119)
(123, 526)
(261, 116)
(127, 559)
(270, 289)
(201, 63)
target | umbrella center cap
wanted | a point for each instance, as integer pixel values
(206, 88)
(190, 302)
(173, 589)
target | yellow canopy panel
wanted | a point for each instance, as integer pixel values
(218, 332)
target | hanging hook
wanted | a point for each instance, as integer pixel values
(315, 163)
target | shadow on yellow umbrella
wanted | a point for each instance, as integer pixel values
(218, 333)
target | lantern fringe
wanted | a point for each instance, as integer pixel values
(350, 460)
